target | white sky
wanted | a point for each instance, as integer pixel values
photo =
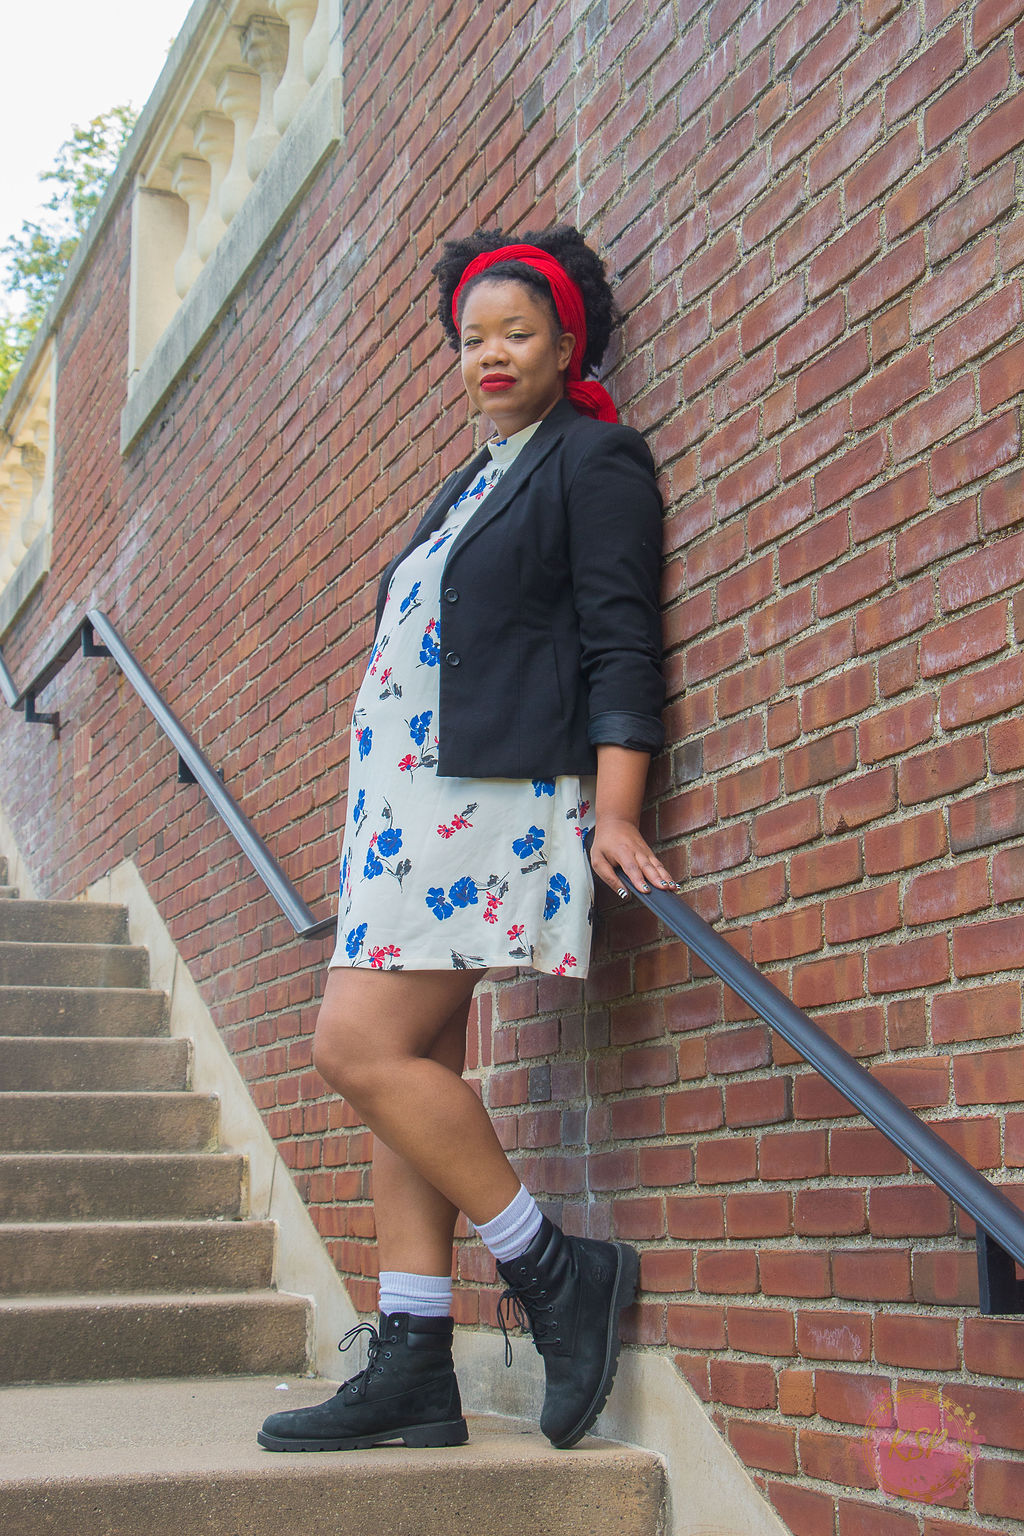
(68, 61)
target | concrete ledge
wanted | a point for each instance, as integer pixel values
(30, 573)
(315, 132)
(159, 1456)
(710, 1492)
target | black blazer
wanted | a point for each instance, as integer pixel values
(550, 629)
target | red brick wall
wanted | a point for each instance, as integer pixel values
(811, 214)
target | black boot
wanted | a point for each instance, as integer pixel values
(571, 1290)
(407, 1392)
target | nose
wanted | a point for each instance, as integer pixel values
(493, 351)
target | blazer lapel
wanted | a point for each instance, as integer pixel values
(449, 493)
(548, 436)
(431, 520)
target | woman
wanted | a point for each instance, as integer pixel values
(510, 706)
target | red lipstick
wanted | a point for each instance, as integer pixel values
(495, 382)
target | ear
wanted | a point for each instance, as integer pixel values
(566, 343)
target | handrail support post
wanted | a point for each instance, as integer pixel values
(1000, 1293)
(34, 717)
(90, 645)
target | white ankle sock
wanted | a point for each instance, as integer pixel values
(511, 1232)
(422, 1295)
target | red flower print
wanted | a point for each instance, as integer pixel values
(490, 916)
(444, 831)
(408, 763)
(567, 962)
(381, 953)
(516, 931)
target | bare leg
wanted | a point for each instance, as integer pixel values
(374, 1043)
(415, 1223)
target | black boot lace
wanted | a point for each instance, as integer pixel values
(356, 1385)
(527, 1307)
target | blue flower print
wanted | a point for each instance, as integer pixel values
(419, 725)
(344, 875)
(359, 806)
(409, 603)
(543, 787)
(437, 904)
(473, 490)
(354, 940)
(430, 650)
(389, 841)
(373, 866)
(365, 740)
(463, 892)
(531, 842)
(557, 892)
(440, 541)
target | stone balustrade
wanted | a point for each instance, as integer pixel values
(26, 458)
(250, 74)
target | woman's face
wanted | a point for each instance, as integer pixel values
(513, 357)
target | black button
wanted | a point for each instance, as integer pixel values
(450, 595)
(453, 659)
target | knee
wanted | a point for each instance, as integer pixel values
(336, 1065)
(342, 1059)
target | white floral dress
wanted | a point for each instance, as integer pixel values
(449, 873)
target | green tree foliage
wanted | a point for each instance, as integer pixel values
(36, 259)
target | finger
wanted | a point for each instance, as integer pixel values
(656, 870)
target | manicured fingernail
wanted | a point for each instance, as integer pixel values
(622, 893)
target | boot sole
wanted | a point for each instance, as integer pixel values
(416, 1435)
(623, 1296)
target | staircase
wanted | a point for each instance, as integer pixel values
(141, 1338)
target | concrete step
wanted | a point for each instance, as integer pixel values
(120, 1459)
(108, 1122)
(73, 965)
(63, 922)
(9, 893)
(99, 1338)
(135, 1186)
(81, 1066)
(59, 1258)
(82, 1011)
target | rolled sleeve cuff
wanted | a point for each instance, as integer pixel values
(619, 728)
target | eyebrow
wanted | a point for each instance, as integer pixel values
(506, 320)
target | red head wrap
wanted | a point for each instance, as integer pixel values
(590, 398)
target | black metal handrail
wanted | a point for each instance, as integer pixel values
(95, 635)
(1000, 1225)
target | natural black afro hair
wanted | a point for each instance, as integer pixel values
(563, 242)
